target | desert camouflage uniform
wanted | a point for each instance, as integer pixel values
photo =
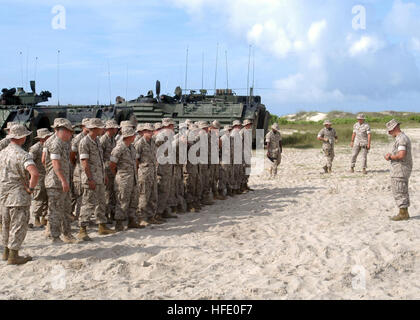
(39, 204)
(401, 171)
(226, 154)
(164, 173)
(108, 144)
(146, 154)
(328, 147)
(14, 199)
(246, 135)
(273, 140)
(237, 160)
(93, 201)
(214, 166)
(180, 146)
(191, 172)
(204, 169)
(59, 203)
(126, 188)
(360, 143)
(76, 185)
(4, 143)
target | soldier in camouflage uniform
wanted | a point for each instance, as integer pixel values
(139, 134)
(57, 180)
(107, 143)
(214, 165)
(274, 148)
(39, 204)
(5, 141)
(204, 166)
(328, 136)
(401, 167)
(246, 135)
(360, 142)
(146, 154)
(93, 180)
(15, 193)
(163, 141)
(180, 148)
(226, 155)
(123, 166)
(76, 185)
(237, 160)
(123, 124)
(191, 172)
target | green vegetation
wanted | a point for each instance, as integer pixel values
(306, 131)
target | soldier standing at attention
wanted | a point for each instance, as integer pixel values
(401, 168)
(274, 148)
(225, 188)
(146, 154)
(57, 180)
(214, 149)
(191, 173)
(246, 134)
(77, 188)
(328, 136)
(93, 180)
(123, 166)
(15, 193)
(107, 143)
(237, 159)
(360, 141)
(39, 204)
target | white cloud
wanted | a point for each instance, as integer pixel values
(316, 30)
(366, 44)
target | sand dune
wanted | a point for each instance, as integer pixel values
(304, 235)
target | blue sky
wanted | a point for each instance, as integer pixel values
(307, 54)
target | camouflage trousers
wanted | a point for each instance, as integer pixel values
(59, 207)
(126, 190)
(76, 197)
(205, 181)
(178, 184)
(329, 156)
(164, 190)
(39, 203)
(214, 173)
(356, 150)
(93, 203)
(172, 199)
(15, 226)
(237, 176)
(276, 157)
(147, 192)
(225, 173)
(191, 184)
(110, 197)
(399, 188)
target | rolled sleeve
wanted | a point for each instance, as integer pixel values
(402, 148)
(29, 163)
(113, 159)
(84, 156)
(55, 156)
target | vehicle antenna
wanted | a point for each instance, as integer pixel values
(215, 73)
(249, 63)
(109, 84)
(227, 71)
(202, 71)
(186, 71)
(21, 68)
(58, 77)
(36, 63)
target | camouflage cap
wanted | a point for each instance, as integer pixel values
(158, 125)
(140, 127)
(95, 123)
(236, 123)
(18, 131)
(128, 132)
(127, 123)
(62, 123)
(183, 125)
(11, 124)
(111, 124)
(148, 127)
(43, 133)
(361, 116)
(392, 124)
(203, 124)
(227, 127)
(327, 122)
(275, 126)
(247, 121)
(216, 124)
(85, 121)
(167, 122)
(188, 121)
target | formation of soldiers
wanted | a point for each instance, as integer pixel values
(128, 176)
(124, 175)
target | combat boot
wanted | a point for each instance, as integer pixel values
(69, 239)
(83, 235)
(37, 222)
(56, 240)
(364, 171)
(119, 226)
(44, 221)
(168, 215)
(173, 209)
(103, 230)
(180, 209)
(132, 224)
(329, 169)
(144, 223)
(229, 192)
(248, 188)
(402, 216)
(351, 170)
(325, 169)
(222, 197)
(153, 220)
(15, 259)
(5, 254)
(190, 208)
(159, 218)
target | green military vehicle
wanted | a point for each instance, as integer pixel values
(23, 107)
(224, 106)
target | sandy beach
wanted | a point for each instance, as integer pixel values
(303, 235)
